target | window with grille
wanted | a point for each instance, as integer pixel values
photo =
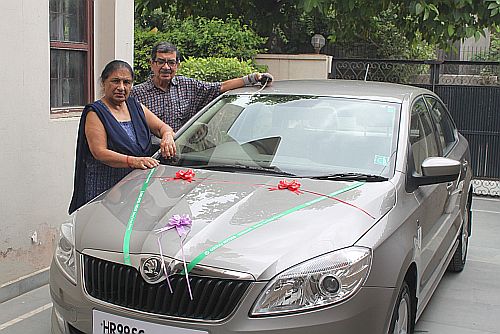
(71, 30)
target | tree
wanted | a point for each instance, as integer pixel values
(282, 21)
(435, 21)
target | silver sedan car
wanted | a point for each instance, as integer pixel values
(301, 207)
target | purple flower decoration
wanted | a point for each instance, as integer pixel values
(182, 225)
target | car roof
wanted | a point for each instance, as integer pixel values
(369, 90)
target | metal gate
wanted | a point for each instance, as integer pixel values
(471, 91)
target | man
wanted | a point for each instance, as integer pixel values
(175, 99)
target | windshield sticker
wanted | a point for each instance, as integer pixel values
(391, 109)
(381, 160)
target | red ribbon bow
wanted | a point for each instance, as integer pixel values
(293, 186)
(186, 175)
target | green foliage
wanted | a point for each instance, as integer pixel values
(435, 21)
(202, 37)
(195, 37)
(143, 42)
(385, 40)
(155, 18)
(493, 54)
(282, 21)
(391, 42)
(212, 69)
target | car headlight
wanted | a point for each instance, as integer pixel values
(65, 250)
(321, 281)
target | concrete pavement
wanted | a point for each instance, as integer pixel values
(469, 302)
(464, 303)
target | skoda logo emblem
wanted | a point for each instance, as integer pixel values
(151, 269)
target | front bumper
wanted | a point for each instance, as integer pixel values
(366, 312)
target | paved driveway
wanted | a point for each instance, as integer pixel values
(469, 302)
(464, 303)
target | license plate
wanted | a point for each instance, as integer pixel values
(106, 323)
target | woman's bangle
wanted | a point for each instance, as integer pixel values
(128, 163)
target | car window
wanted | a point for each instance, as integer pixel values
(445, 127)
(422, 135)
(303, 135)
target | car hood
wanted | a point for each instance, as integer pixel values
(240, 221)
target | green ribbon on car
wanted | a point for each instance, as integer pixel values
(133, 215)
(249, 229)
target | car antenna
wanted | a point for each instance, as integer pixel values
(367, 68)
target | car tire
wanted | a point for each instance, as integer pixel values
(402, 315)
(457, 263)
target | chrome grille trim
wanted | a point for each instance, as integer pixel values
(122, 286)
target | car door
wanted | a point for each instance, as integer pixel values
(449, 141)
(432, 220)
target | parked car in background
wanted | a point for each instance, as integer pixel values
(303, 207)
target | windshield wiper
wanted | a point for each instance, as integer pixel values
(239, 166)
(350, 177)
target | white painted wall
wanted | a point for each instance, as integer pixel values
(114, 37)
(37, 151)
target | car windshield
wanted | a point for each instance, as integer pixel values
(292, 135)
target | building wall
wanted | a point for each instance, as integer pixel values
(296, 66)
(469, 47)
(37, 150)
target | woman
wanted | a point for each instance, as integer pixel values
(114, 136)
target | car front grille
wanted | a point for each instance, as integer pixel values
(213, 298)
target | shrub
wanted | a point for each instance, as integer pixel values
(202, 37)
(143, 43)
(197, 37)
(213, 69)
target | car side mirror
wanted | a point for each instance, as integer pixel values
(437, 170)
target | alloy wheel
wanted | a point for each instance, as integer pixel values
(403, 316)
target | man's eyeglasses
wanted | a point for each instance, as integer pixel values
(170, 62)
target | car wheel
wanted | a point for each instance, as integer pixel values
(401, 320)
(457, 263)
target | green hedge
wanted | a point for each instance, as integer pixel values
(200, 38)
(213, 69)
